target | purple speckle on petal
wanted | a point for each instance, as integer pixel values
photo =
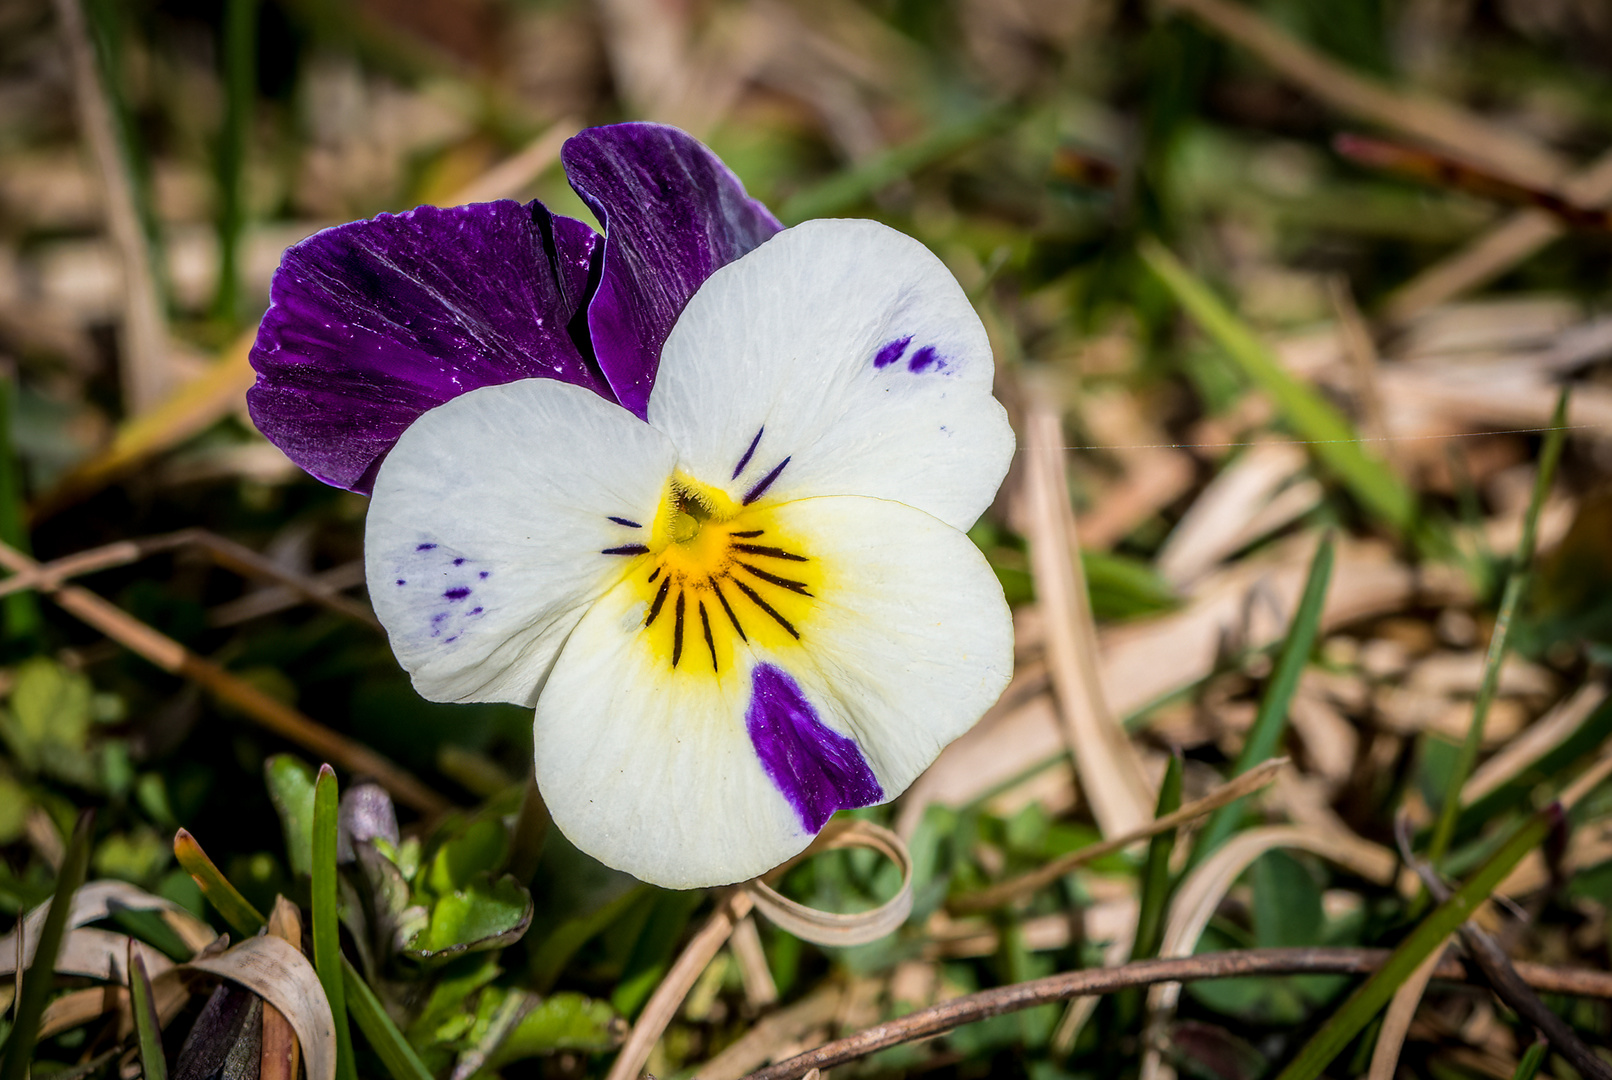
(457, 593)
(628, 522)
(459, 562)
(484, 574)
(426, 547)
(890, 352)
(816, 768)
(924, 359)
(450, 641)
(477, 610)
(400, 581)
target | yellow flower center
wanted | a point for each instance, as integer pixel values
(718, 573)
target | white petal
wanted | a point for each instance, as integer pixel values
(678, 774)
(855, 355)
(490, 528)
(914, 640)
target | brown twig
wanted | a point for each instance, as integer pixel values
(941, 1018)
(1501, 975)
(1042, 876)
(668, 996)
(1496, 251)
(1441, 123)
(227, 553)
(276, 716)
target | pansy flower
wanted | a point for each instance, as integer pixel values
(694, 490)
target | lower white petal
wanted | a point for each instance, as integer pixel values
(703, 722)
(496, 519)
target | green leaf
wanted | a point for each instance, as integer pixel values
(291, 786)
(384, 1037)
(14, 807)
(397, 917)
(652, 951)
(445, 1017)
(479, 850)
(1333, 440)
(38, 982)
(564, 1021)
(50, 706)
(327, 958)
(483, 914)
(1265, 737)
(565, 939)
(1366, 1002)
(138, 856)
(1122, 587)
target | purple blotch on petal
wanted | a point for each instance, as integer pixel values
(748, 454)
(816, 768)
(764, 483)
(924, 359)
(673, 214)
(372, 323)
(890, 352)
(458, 593)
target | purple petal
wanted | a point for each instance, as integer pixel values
(672, 214)
(372, 323)
(816, 768)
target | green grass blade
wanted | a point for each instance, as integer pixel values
(1333, 440)
(226, 899)
(384, 1037)
(1265, 737)
(1510, 602)
(1155, 891)
(326, 929)
(1374, 994)
(1532, 1059)
(148, 1029)
(37, 983)
(1156, 870)
(856, 185)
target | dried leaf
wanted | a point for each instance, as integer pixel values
(282, 1054)
(831, 928)
(1110, 771)
(282, 976)
(1397, 1020)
